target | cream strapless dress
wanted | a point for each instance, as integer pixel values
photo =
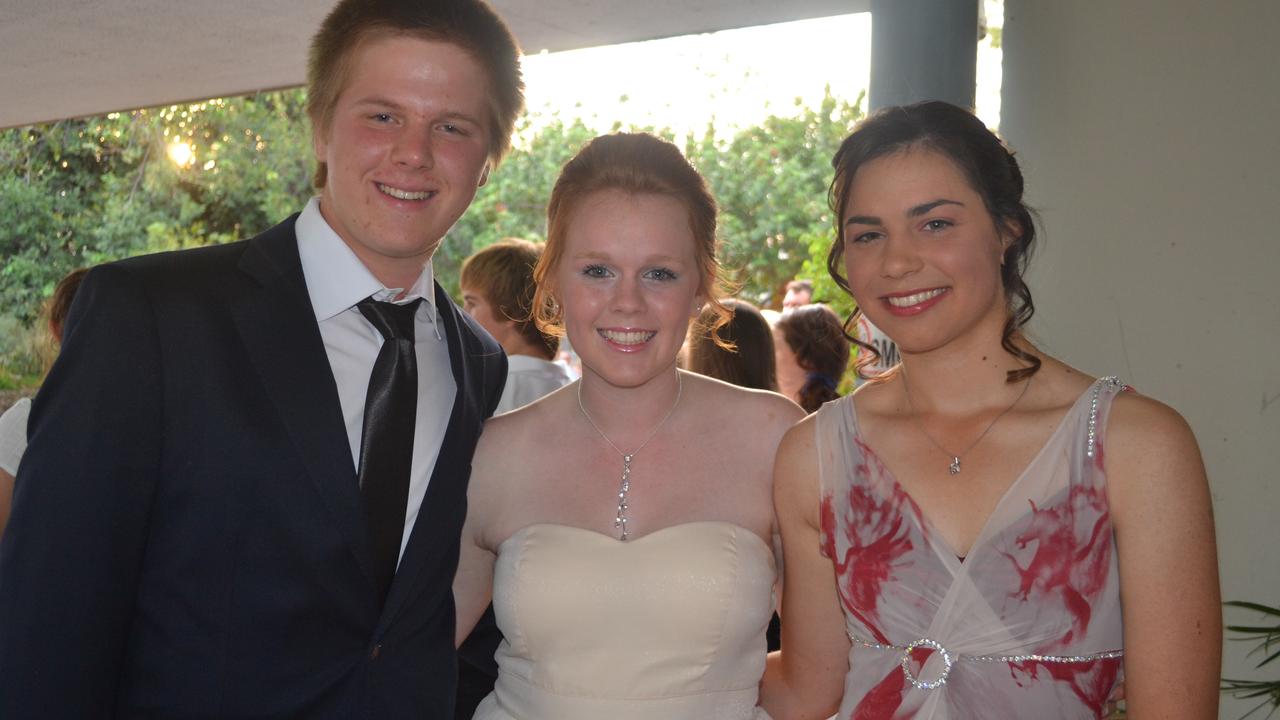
(668, 626)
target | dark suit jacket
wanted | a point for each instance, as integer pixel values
(187, 538)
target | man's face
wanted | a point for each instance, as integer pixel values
(796, 297)
(405, 148)
(475, 304)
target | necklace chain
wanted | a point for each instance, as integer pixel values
(954, 467)
(620, 519)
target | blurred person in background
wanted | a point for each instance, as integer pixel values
(799, 293)
(497, 290)
(750, 363)
(13, 423)
(812, 354)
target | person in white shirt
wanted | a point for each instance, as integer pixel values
(497, 289)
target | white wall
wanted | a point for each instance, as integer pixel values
(1149, 132)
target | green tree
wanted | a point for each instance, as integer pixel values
(771, 182)
(514, 201)
(81, 192)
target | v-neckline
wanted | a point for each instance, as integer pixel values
(936, 540)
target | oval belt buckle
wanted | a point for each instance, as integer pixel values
(946, 664)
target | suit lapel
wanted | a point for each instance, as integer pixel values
(278, 326)
(446, 493)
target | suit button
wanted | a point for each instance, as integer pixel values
(375, 651)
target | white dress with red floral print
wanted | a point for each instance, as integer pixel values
(1027, 625)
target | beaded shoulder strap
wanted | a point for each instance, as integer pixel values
(1111, 384)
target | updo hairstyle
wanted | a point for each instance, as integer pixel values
(639, 164)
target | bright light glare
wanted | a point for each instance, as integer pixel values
(180, 153)
(732, 79)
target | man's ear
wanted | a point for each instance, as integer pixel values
(319, 145)
(484, 175)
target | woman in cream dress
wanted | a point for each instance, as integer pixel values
(623, 525)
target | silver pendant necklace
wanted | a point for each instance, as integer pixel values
(954, 467)
(620, 519)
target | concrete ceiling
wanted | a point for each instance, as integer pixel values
(70, 58)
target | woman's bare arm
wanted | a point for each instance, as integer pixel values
(473, 583)
(1168, 560)
(805, 679)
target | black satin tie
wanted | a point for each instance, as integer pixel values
(386, 442)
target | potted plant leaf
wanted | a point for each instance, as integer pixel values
(1267, 639)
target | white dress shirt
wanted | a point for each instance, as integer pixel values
(529, 378)
(13, 435)
(336, 281)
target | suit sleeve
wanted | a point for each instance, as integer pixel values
(71, 557)
(497, 369)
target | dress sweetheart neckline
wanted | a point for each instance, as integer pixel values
(636, 540)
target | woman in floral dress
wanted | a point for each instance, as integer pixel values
(984, 532)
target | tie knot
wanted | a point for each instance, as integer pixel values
(392, 320)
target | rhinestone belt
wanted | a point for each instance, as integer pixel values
(949, 658)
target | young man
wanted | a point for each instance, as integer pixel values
(497, 292)
(247, 471)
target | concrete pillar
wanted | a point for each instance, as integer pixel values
(923, 50)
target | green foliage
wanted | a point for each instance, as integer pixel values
(24, 352)
(771, 182)
(1267, 644)
(514, 201)
(82, 192)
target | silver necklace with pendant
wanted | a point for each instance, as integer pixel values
(954, 467)
(620, 519)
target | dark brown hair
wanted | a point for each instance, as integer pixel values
(750, 363)
(992, 172)
(60, 302)
(503, 274)
(814, 333)
(470, 24)
(54, 314)
(639, 164)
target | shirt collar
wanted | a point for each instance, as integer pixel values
(337, 280)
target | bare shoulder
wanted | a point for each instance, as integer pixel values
(508, 439)
(800, 442)
(1141, 427)
(1138, 427)
(759, 408)
(876, 396)
(795, 471)
(1153, 464)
